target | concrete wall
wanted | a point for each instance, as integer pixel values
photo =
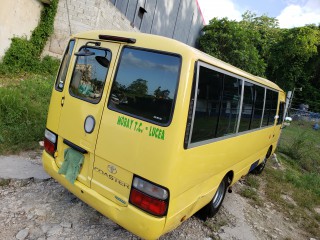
(75, 16)
(17, 18)
(178, 19)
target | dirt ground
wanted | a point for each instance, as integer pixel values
(45, 210)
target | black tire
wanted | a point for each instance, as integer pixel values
(214, 205)
(261, 166)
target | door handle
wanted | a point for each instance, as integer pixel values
(62, 101)
(74, 146)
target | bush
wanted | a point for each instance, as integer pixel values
(24, 55)
(21, 57)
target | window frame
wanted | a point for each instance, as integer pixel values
(176, 87)
(73, 71)
(187, 142)
(283, 104)
(56, 84)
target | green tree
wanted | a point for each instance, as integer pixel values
(138, 87)
(289, 56)
(266, 32)
(234, 43)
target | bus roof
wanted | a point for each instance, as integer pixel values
(159, 42)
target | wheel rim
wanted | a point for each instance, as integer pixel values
(219, 195)
(264, 162)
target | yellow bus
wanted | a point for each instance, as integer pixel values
(156, 129)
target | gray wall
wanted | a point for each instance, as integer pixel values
(17, 19)
(74, 16)
(178, 19)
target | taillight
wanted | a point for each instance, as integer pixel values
(50, 142)
(149, 197)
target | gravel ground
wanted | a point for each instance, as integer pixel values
(45, 210)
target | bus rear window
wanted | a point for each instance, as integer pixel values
(145, 85)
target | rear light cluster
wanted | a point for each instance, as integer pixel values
(149, 197)
(50, 142)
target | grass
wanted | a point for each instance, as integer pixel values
(250, 190)
(299, 152)
(215, 223)
(24, 101)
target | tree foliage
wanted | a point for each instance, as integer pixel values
(288, 57)
(138, 87)
(234, 43)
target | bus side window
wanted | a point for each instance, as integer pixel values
(274, 107)
(258, 107)
(208, 104)
(230, 104)
(270, 108)
(247, 107)
(281, 112)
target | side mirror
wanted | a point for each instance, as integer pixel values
(103, 61)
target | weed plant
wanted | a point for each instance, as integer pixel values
(23, 55)
(24, 95)
(299, 152)
(23, 109)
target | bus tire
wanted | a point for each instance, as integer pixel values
(261, 166)
(214, 205)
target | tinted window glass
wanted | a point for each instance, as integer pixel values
(247, 106)
(64, 66)
(281, 113)
(229, 111)
(267, 107)
(258, 107)
(270, 107)
(145, 84)
(89, 75)
(207, 105)
(274, 106)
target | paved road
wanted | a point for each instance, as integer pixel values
(21, 167)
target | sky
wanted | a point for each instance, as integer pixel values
(290, 13)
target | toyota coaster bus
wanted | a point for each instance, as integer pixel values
(162, 129)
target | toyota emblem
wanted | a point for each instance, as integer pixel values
(112, 169)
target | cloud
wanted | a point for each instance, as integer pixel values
(219, 9)
(130, 59)
(296, 15)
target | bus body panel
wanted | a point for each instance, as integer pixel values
(129, 217)
(123, 146)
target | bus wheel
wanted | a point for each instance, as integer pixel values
(260, 167)
(213, 206)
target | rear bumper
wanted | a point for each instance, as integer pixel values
(129, 217)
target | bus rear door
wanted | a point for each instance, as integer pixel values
(83, 100)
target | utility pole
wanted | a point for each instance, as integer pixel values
(290, 98)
